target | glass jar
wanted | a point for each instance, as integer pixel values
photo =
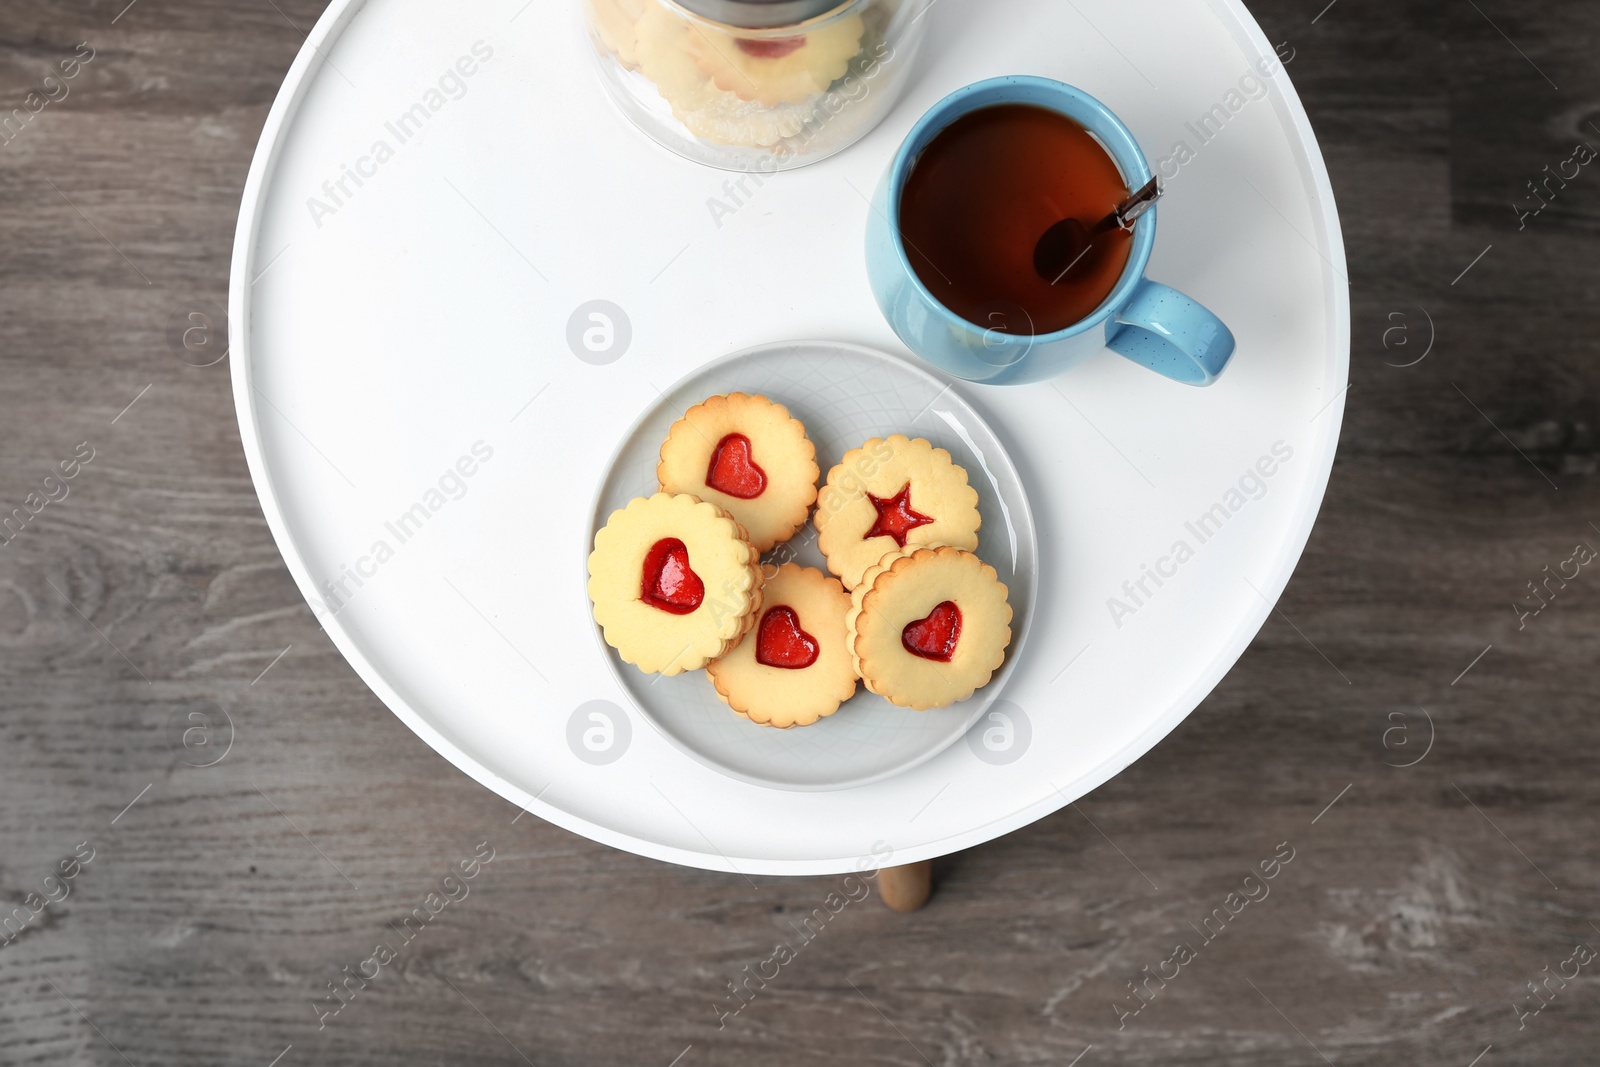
(755, 84)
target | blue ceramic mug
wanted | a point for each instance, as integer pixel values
(1149, 323)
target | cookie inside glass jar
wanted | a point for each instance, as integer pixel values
(782, 66)
(755, 85)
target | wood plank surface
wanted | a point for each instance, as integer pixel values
(221, 900)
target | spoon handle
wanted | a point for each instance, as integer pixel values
(1130, 209)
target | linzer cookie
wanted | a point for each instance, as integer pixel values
(777, 70)
(614, 21)
(662, 45)
(888, 495)
(747, 455)
(675, 582)
(795, 667)
(928, 626)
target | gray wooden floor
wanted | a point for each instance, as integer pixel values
(217, 908)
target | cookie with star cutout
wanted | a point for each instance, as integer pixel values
(892, 494)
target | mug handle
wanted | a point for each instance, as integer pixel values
(1174, 336)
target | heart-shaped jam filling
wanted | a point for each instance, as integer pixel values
(781, 643)
(733, 471)
(771, 47)
(668, 582)
(934, 637)
(895, 517)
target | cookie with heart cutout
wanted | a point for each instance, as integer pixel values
(675, 582)
(747, 455)
(662, 45)
(928, 626)
(783, 67)
(891, 494)
(794, 667)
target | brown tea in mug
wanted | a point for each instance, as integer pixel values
(981, 195)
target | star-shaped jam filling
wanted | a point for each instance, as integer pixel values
(895, 517)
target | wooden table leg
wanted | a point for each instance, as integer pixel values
(906, 888)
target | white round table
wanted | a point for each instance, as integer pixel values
(415, 241)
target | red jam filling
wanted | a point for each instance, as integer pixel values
(770, 47)
(668, 583)
(733, 471)
(934, 637)
(895, 517)
(781, 643)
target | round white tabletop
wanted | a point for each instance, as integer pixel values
(427, 443)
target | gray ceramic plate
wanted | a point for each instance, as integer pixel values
(845, 395)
